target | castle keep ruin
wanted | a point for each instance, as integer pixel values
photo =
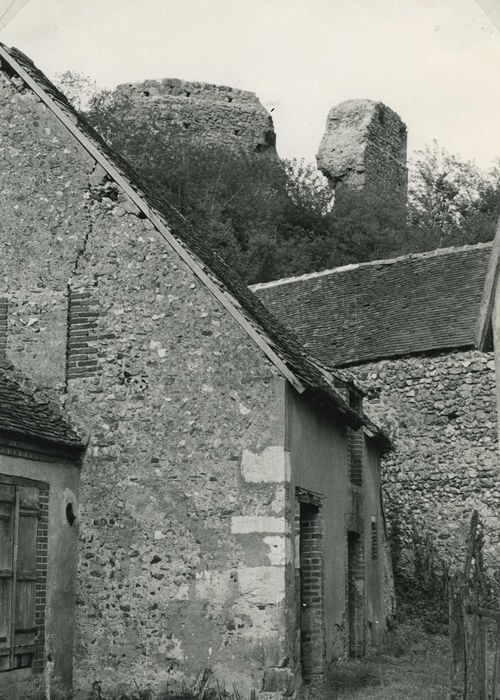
(201, 112)
(363, 149)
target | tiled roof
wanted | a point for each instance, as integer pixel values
(409, 305)
(27, 417)
(280, 339)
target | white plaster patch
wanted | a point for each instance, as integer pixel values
(289, 551)
(246, 524)
(270, 465)
(276, 554)
(262, 584)
(213, 585)
(278, 504)
(182, 592)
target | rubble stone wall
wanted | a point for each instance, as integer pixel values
(441, 411)
(180, 549)
(202, 113)
(364, 149)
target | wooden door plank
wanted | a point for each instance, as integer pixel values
(14, 574)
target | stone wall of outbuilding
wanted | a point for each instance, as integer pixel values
(441, 412)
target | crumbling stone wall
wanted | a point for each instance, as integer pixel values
(202, 113)
(441, 410)
(363, 149)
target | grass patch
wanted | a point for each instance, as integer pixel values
(413, 665)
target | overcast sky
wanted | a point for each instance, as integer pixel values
(436, 62)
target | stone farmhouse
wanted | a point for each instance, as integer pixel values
(404, 329)
(228, 505)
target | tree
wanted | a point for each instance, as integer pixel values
(270, 218)
(451, 201)
(80, 89)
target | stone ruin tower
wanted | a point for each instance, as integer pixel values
(363, 149)
(203, 113)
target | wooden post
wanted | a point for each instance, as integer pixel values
(457, 639)
(471, 544)
(482, 675)
(494, 677)
(475, 647)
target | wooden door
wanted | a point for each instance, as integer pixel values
(19, 511)
(7, 519)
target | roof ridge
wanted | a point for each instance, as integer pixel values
(437, 252)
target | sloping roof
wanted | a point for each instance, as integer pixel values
(413, 304)
(278, 343)
(26, 416)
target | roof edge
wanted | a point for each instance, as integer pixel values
(431, 351)
(197, 267)
(483, 332)
(385, 261)
(42, 446)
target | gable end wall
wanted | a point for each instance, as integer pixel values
(177, 571)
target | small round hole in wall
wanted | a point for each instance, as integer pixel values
(70, 514)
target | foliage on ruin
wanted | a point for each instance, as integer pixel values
(271, 219)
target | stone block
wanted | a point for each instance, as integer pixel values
(262, 584)
(270, 465)
(246, 524)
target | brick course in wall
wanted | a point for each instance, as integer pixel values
(41, 585)
(4, 315)
(356, 447)
(311, 555)
(82, 337)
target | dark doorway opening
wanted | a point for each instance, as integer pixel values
(355, 593)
